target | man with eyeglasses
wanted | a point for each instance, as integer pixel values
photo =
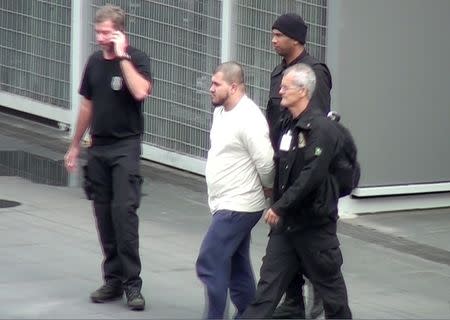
(303, 217)
(288, 40)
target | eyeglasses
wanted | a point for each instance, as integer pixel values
(286, 88)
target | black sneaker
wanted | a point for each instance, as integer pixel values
(289, 309)
(106, 293)
(135, 300)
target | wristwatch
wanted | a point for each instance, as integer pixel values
(125, 56)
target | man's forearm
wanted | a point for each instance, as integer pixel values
(139, 86)
(83, 122)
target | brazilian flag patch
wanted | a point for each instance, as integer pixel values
(317, 151)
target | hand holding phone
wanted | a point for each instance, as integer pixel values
(120, 43)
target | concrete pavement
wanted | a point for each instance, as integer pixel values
(397, 265)
(51, 257)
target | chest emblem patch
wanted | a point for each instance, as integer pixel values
(317, 151)
(116, 83)
(301, 140)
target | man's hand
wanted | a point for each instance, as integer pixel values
(267, 192)
(120, 43)
(271, 217)
(71, 158)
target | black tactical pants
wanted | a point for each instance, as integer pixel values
(285, 256)
(113, 183)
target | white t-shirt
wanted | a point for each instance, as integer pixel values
(240, 160)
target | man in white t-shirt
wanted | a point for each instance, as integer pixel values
(238, 170)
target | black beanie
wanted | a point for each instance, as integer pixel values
(291, 25)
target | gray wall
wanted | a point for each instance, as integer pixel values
(391, 69)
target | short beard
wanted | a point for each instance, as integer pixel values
(217, 104)
(220, 102)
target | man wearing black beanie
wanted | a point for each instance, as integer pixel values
(288, 39)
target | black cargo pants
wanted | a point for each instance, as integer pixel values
(286, 254)
(113, 183)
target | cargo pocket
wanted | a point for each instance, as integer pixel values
(135, 181)
(327, 262)
(87, 184)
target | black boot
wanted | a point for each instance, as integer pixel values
(106, 293)
(290, 309)
(135, 300)
(293, 306)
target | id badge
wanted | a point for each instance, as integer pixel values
(285, 143)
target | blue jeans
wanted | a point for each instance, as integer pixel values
(224, 261)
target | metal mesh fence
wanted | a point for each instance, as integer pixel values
(35, 50)
(182, 38)
(254, 48)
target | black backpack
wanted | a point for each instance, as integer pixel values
(345, 166)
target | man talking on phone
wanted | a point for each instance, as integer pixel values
(115, 82)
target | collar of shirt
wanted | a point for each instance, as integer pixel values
(303, 121)
(295, 61)
(283, 65)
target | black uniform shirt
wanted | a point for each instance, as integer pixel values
(116, 114)
(320, 100)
